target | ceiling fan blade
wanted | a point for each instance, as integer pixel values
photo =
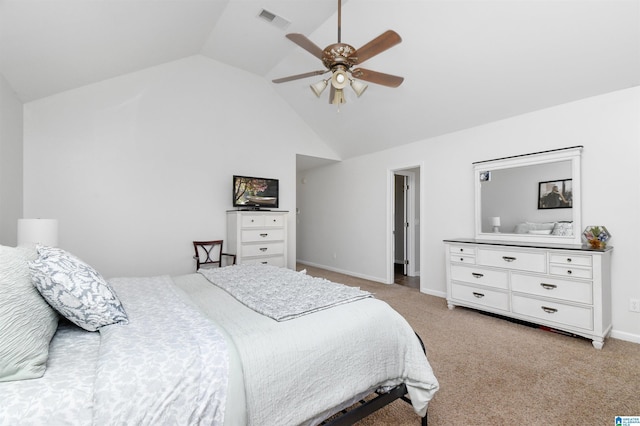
(299, 76)
(384, 41)
(302, 41)
(377, 77)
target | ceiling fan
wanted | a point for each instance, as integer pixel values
(340, 58)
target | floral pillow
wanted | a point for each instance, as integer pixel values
(76, 290)
(563, 229)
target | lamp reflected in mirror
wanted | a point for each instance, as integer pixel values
(495, 222)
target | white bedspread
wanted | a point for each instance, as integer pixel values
(300, 371)
(64, 395)
(168, 366)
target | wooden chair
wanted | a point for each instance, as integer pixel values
(209, 254)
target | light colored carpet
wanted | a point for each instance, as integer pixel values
(496, 372)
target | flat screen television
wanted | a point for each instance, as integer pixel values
(255, 193)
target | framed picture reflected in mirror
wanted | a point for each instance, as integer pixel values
(555, 194)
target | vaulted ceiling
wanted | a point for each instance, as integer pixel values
(465, 63)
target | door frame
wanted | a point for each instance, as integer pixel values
(411, 205)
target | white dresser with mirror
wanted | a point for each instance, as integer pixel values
(527, 260)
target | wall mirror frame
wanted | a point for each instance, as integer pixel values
(529, 165)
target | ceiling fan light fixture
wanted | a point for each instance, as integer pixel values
(339, 79)
(358, 87)
(319, 87)
(338, 97)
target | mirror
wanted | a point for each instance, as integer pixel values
(530, 198)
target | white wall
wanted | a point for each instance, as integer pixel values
(344, 205)
(135, 168)
(10, 163)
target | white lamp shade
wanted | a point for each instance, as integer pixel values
(495, 221)
(319, 87)
(358, 87)
(38, 231)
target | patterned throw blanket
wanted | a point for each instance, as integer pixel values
(280, 293)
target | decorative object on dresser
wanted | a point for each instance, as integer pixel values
(258, 236)
(596, 236)
(209, 254)
(564, 287)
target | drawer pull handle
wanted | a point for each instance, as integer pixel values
(569, 271)
(508, 258)
(478, 295)
(461, 250)
(549, 310)
(263, 235)
(263, 248)
(264, 263)
(462, 259)
(548, 286)
(477, 275)
(568, 260)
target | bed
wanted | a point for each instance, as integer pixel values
(184, 350)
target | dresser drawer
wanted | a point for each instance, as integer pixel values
(523, 261)
(465, 250)
(569, 259)
(573, 291)
(475, 275)
(485, 297)
(263, 249)
(568, 271)
(551, 312)
(271, 260)
(262, 220)
(252, 221)
(253, 235)
(461, 258)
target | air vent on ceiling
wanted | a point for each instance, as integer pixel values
(274, 19)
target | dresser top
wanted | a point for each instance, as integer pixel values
(257, 211)
(577, 247)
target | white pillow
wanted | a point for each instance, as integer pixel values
(27, 322)
(76, 290)
(540, 231)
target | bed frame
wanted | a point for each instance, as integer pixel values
(352, 415)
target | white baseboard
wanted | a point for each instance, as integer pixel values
(629, 337)
(436, 293)
(342, 271)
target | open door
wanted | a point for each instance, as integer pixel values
(401, 224)
(404, 209)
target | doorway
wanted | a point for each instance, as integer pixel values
(406, 227)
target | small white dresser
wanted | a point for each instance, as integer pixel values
(257, 237)
(565, 287)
